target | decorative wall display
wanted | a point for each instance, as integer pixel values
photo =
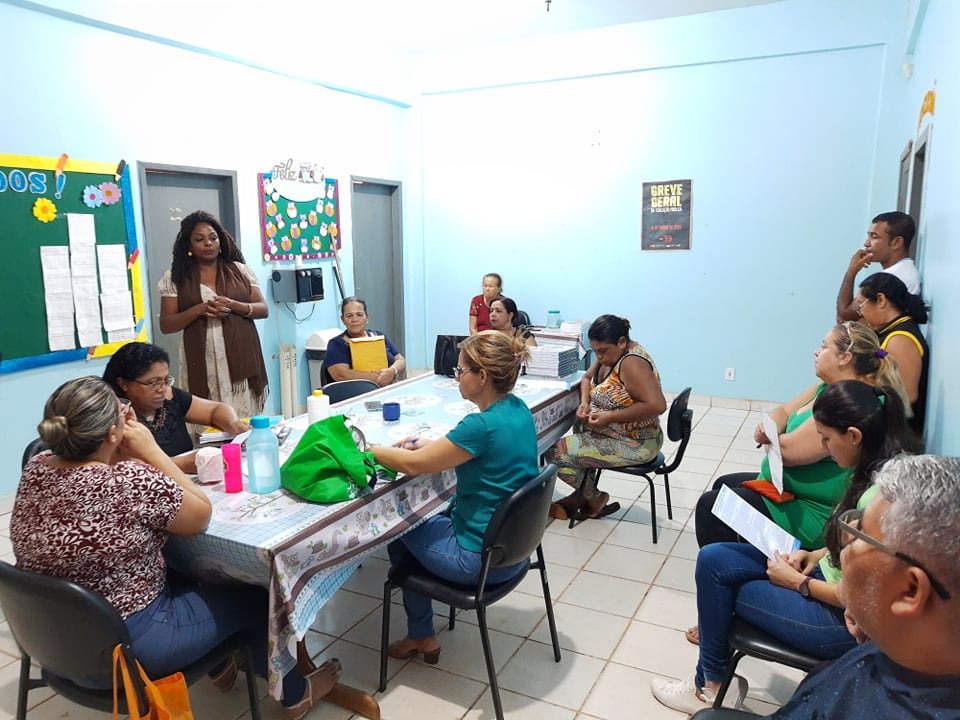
(299, 212)
(666, 215)
(71, 276)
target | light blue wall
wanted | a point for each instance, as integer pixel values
(99, 95)
(775, 114)
(936, 61)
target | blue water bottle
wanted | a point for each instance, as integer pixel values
(263, 456)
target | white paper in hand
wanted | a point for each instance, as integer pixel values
(774, 456)
(750, 524)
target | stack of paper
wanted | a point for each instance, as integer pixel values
(552, 360)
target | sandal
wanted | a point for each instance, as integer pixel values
(564, 509)
(598, 508)
(227, 677)
(693, 635)
(397, 652)
(319, 683)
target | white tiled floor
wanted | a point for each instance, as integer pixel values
(621, 604)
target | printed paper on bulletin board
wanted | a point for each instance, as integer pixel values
(298, 218)
(666, 215)
(70, 278)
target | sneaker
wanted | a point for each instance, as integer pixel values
(681, 695)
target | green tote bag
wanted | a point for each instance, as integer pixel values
(326, 466)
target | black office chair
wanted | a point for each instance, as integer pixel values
(521, 319)
(716, 713)
(35, 447)
(679, 427)
(346, 389)
(746, 639)
(513, 535)
(70, 632)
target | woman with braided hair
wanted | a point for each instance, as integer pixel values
(213, 297)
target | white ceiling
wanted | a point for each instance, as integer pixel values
(405, 26)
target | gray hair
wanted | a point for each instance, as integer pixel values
(78, 416)
(924, 516)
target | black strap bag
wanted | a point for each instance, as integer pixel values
(446, 353)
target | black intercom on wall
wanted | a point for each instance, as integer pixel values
(298, 286)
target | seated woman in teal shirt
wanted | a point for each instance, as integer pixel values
(494, 453)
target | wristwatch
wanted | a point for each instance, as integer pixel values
(804, 587)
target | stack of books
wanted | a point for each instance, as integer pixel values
(553, 360)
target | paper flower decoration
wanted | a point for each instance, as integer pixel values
(92, 196)
(111, 193)
(44, 210)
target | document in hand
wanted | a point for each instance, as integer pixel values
(750, 524)
(774, 456)
(368, 353)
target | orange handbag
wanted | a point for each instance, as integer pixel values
(168, 697)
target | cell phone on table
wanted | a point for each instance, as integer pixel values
(373, 405)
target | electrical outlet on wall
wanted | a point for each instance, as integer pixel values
(730, 374)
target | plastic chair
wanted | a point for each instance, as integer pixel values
(346, 389)
(679, 428)
(70, 632)
(746, 639)
(513, 535)
(34, 448)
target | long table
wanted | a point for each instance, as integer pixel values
(303, 551)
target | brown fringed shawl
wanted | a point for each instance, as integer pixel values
(241, 340)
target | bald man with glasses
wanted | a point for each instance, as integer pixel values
(900, 585)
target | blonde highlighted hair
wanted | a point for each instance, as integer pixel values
(871, 363)
(498, 354)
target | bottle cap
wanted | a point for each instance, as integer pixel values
(318, 393)
(259, 421)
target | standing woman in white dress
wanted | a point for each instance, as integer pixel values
(213, 297)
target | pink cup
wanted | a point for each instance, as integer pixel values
(232, 469)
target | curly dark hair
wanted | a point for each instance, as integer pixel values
(131, 361)
(183, 266)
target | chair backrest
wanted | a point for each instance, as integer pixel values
(346, 389)
(521, 318)
(68, 629)
(518, 524)
(679, 428)
(35, 447)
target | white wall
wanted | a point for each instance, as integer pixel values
(99, 95)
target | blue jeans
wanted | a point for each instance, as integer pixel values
(732, 580)
(186, 621)
(434, 545)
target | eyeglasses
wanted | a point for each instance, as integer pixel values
(860, 308)
(157, 383)
(458, 371)
(848, 532)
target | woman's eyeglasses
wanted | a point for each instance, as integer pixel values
(157, 383)
(458, 371)
(849, 527)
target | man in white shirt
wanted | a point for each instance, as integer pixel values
(888, 243)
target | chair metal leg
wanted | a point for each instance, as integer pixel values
(385, 634)
(453, 618)
(722, 692)
(488, 656)
(551, 621)
(653, 507)
(578, 496)
(251, 683)
(23, 687)
(666, 489)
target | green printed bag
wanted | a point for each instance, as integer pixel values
(326, 466)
